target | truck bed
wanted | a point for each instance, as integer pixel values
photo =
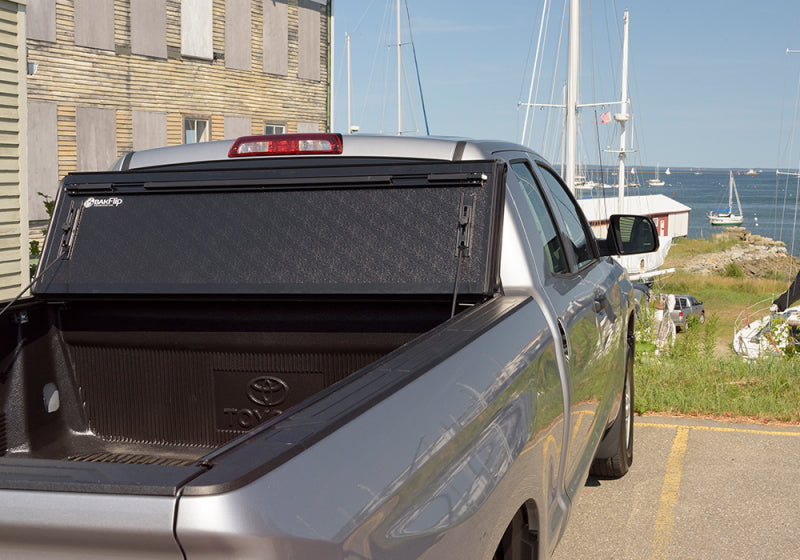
(167, 382)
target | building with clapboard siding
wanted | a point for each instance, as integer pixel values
(13, 191)
(110, 76)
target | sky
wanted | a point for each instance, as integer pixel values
(711, 84)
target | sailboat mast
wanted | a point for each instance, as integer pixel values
(572, 91)
(533, 76)
(730, 193)
(622, 117)
(399, 65)
(736, 192)
(347, 43)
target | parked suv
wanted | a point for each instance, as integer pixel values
(684, 307)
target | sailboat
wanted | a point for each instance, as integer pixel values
(728, 217)
(667, 172)
(656, 182)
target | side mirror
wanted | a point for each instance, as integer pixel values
(631, 235)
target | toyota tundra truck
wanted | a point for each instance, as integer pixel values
(315, 346)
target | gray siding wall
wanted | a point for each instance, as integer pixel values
(13, 155)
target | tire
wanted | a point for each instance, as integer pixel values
(702, 318)
(519, 541)
(617, 465)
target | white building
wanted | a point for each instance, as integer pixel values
(670, 216)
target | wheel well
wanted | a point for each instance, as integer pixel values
(631, 328)
(521, 538)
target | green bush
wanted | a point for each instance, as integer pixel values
(35, 249)
(733, 270)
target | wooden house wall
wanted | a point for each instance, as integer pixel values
(13, 193)
(71, 76)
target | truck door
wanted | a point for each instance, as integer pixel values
(587, 300)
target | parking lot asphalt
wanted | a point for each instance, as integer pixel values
(697, 489)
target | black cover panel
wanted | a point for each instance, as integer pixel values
(366, 229)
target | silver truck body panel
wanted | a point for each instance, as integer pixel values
(72, 525)
(356, 145)
(355, 485)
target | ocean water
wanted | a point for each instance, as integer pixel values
(769, 201)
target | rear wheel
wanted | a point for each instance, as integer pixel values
(618, 464)
(702, 318)
(519, 541)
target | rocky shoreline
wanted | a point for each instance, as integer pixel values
(757, 256)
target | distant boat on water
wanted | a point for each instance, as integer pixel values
(728, 217)
(751, 172)
(667, 172)
(657, 182)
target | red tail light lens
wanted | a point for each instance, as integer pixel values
(286, 145)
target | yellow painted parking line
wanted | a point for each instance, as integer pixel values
(665, 518)
(718, 429)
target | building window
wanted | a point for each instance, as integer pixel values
(276, 37)
(196, 29)
(236, 127)
(238, 34)
(274, 129)
(196, 130)
(149, 130)
(149, 28)
(94, 24)
(307, 126)
(96, 138)
(41, 16)
(308, 55)
(42, 156)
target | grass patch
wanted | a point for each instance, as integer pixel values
(699, 374)
(682, 249)
(767, 390)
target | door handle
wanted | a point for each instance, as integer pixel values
(600, 301)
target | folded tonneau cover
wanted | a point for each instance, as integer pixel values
(308, 228)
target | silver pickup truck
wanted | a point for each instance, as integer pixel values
(315, 346)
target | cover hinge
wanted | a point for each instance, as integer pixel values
(465, 225)
(70, 229)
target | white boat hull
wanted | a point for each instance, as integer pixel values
(640, 265)
(723, 220)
